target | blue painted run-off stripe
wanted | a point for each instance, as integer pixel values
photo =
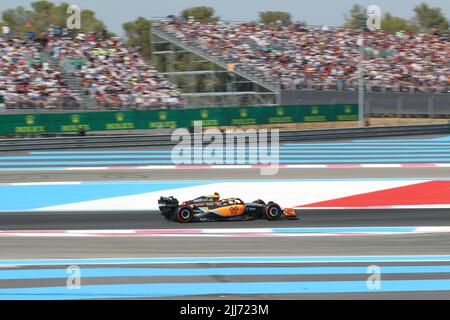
(419, 159)
(344, 230)
(367, 143)
(282, 149)
(442, 139)
(190, 289)
(40, 196)
(282, 154)
(177, 272)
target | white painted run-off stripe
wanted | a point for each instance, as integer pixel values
(130, 231)
(232, 167)
(240, 230)
(236, 167)
(432, 230)
(386, 165)
(307, 166)
(257, 232)
(157, 167)
(247, 259)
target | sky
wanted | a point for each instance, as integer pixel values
(315, 12)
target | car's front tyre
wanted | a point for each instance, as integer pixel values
(273, 211)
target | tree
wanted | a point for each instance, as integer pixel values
(427, 18)
(16, 20)
(204, 14)
(355, 17)
(138, 33)
(269, 17)
(44, 14)
(89, 22)
(394, 24)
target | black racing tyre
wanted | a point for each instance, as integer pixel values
(259, 201)
(273, 211)
(184, 215)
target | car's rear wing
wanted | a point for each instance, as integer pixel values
(167, 204)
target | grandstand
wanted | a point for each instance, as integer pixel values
(221, 83)
(87, 72)
(244, 64)
(405, 74)
(113, 74)
(325, 58)
(27, 80)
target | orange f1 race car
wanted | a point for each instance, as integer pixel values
(212, 208)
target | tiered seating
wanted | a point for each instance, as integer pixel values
(321, 58)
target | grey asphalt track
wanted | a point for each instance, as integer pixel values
(220, 279)
(154, 220)
(223, 174)
(124, 247)
(133, 247)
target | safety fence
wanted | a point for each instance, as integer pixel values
(19, 124)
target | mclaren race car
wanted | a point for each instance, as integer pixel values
(212, 208)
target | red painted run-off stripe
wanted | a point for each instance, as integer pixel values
(426, 193)
(418, 165)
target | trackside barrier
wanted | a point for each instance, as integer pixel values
(165, 140)
(50, 123)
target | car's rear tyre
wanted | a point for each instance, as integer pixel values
(273, 211)
(184, 215)
(259, 201)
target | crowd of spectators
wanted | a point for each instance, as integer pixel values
(294, 56)
(114, 74)
(297, 57)
(27, 80)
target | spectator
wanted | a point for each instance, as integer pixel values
(115, 74)
(31, 36)
(109, 71)
(26, 80)
(6, 32)
(323, 58)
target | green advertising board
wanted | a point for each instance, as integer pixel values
(315, 114)
(73, 122)
(348, 112)
(159, 119)
(120, 120)
(25, 124)
(209, 117)
(173, 118)
(245, 116)
(282, 115)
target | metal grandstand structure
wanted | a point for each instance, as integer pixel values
(206, 80)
